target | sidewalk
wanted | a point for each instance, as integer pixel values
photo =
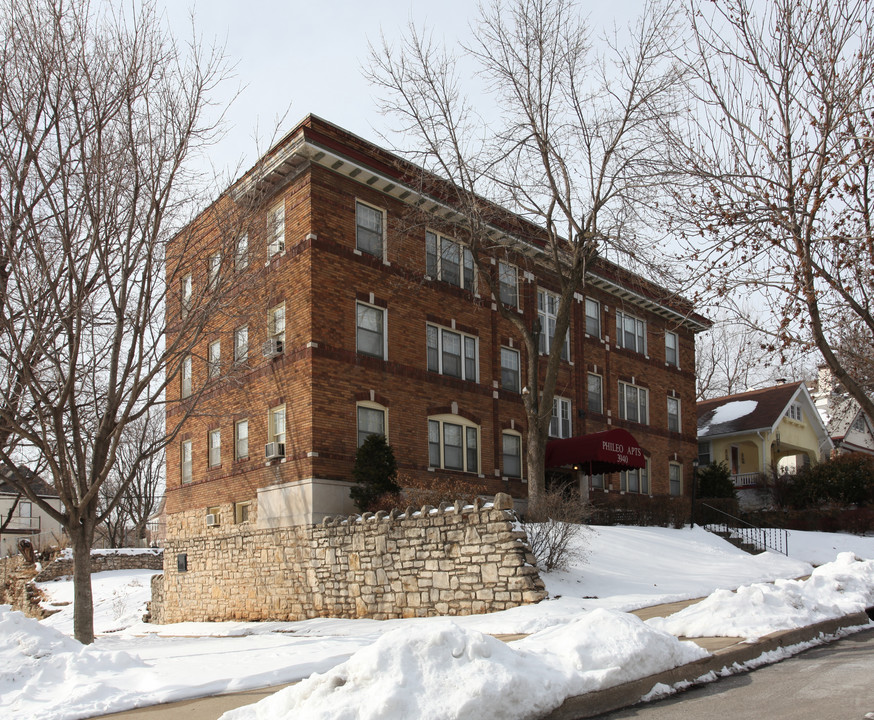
(725, 652)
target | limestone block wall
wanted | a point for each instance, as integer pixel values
(149, 559)
(446, 561)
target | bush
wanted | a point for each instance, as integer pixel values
(714, 481)
(438, 489)
(375, 472)
(643, 510)
(843, 480)
(554, 526)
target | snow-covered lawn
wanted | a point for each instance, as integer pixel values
(581, 639)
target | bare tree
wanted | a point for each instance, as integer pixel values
(572, 151)
(144, 476)
(779, 157)
(99, 112)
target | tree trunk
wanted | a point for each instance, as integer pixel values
(83, 600)
(535, 462)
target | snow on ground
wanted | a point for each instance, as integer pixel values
(582, 639)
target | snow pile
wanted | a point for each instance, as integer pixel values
(442, 671)
(729, 412)
(839, 588)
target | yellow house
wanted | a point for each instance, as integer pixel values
(775, 429)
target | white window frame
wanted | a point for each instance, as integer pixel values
(437, 450)
(561, 422)
(516, 457)
(547, 315)
(276, 424)
(359, 227)
(185, 384)
(675, 401)
(371, 407)
(241, 439)
(622, 320)
(214, 448)
(359, 329)
(213, 270)
(241, 345)
(678, 468)
(241, 252)
(675, 362)
(639, 478)
(595, 318)
(276, 322)
(511, 352)
(214, 360)
(186, 462)
(589, 394)
(437, 248)
(506, 272)
(187, 294)
(436, 354)
(708, 454)
(276, 229)
(794, 412)
(642, 403)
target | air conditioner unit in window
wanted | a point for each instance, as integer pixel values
(272, 347)
(275, 248)
(211, 520)
(274, 450)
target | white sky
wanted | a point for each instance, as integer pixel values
(306, 57)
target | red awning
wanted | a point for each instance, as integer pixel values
(602, 452)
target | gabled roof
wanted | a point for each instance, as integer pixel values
(748, 411)
(37, 484)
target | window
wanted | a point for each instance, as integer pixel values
(25, 509)
(671, 356)
(276, 230)
(547, 308)
(633, 403)
(512, 456)
(508, 283)
(185, 449)
(276, 322)
(560, 424)
(371, 421)
(186, 377)
(241, 512)
(794, 412)
(704, 454)
(187, 294)
(452, 353)
(630, 333)
(448, 261)
(216, 513)
(675, 476)
(215, 448)
(241, 345)
(595, 394)
(276, 425)
(453, 444)
(674, 414)
(596, 481)
(635, 481)
(593, 318)
(241, 439)
(214, 359)
(215, 265)
(510, 376)
(368, 229)
(241, 252)
(370, 334)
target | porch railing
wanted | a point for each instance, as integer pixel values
(746, 479)
(761, 538)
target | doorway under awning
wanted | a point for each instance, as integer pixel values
(601, 452)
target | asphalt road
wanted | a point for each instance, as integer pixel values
(832, 682)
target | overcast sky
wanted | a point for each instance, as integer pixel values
(306, 57)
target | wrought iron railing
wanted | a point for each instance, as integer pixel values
(761, 538)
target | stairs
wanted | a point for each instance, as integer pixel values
(747, 547)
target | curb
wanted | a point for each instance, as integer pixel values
(620, 696)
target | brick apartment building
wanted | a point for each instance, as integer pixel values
(352, 318)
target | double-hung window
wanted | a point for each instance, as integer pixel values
(371, 421)
(675, 476)
(276, 323)
(512, 454)
(186, 461)
(630, 332)
(241, 439)
(635, 481)
(215, 266)
(241, 345)
(370, 330)
(453, 444)
(452, 353)
(276, 425)
(593, 318)
(633, 403)
(214, 360)
(671, 354)
(674, 414)
(508, 284)
(595, 393)
(560, 423)
(186, 376)
(547, 309)
(510, 370)
(187, 294)
(449, 261)
(215, 448)
(369, 229)
(241, 252)
(704, 457)
(276, 230)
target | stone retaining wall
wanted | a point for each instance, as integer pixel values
(447, 561)
(152, 559)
